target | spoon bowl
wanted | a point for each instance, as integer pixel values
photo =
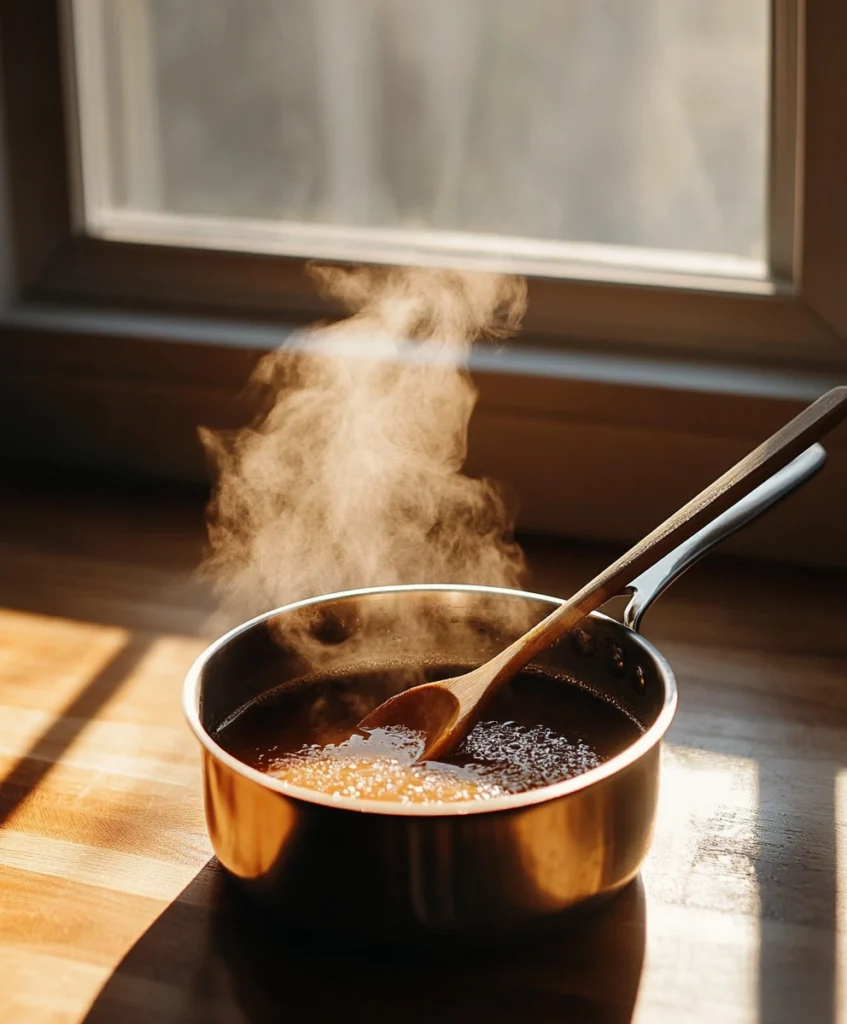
(431, 709)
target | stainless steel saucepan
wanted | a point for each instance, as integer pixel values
(370, 869)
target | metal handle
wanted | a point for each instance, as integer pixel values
(656, 580)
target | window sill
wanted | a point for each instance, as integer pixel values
(596, 445)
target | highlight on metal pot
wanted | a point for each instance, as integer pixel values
(378, 869)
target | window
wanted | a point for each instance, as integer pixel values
(668, 173)
(638, 161)
(631, 133)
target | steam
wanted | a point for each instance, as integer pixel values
(351, 474)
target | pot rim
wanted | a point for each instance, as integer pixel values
(511, 802)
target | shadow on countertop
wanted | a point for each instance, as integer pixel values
(210, 958)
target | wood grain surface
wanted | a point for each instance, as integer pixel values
(112, 907)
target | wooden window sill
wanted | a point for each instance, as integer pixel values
(625, 439)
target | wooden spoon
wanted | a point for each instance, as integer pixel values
(445, 711)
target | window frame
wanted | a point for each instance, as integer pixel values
(96, 332)
(798, 316)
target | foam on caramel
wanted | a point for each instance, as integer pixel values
(497, 758)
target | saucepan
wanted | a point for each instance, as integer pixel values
(371, 870)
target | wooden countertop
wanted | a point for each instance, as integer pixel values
(112, 908)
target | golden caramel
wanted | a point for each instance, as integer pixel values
(539, 731)
(500, 758)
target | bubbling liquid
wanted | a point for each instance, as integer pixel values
(537, 732)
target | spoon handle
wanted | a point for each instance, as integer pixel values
(780, 449)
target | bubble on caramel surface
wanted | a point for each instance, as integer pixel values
(525, 757)
(497, 759)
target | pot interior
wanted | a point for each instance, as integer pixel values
(414, 633)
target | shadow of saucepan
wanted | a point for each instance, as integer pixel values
(211, 958)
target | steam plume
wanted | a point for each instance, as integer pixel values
(351, 475)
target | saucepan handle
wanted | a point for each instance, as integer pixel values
(655, 581)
